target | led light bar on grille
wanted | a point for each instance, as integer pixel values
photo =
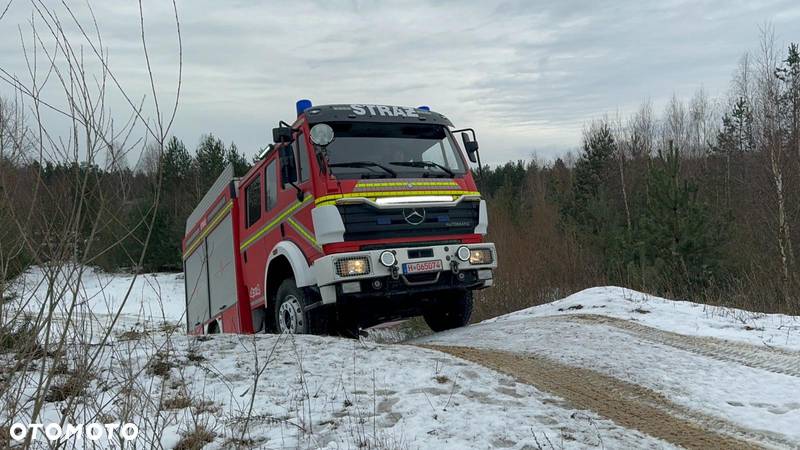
(414, 199)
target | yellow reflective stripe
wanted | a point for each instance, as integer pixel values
(301, 229)
(406, 184)
(275, 222)
(377, 194)
(214, 222)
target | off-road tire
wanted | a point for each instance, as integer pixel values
(450, 310)
(290, 311)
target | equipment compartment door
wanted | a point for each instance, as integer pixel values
(221, 266)
(197, 301)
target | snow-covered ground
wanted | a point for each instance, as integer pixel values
(158, 296)
(323, 392)
(684, 317)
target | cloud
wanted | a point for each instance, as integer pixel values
(525, 74)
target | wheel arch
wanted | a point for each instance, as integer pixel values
(286, 260)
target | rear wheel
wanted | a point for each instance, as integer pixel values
(451, 310)
(290, 310)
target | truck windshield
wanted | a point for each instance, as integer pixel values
(390, 150)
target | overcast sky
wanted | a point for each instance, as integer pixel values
(525, 74)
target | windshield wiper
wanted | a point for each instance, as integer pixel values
(365, 164)
(424, 164)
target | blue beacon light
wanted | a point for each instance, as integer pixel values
(424, 108)
(302, 105)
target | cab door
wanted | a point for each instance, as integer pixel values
(297, 226)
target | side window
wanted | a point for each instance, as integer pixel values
(301, 155)
(271, 185)
(252, 195)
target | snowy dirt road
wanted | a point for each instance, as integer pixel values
(725, 380)
(624, 403)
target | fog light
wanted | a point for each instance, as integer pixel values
(352, 266)
(480, 256)
(376, 284)
(388, 259)
(463, 253)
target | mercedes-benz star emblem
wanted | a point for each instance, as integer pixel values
(414, 216)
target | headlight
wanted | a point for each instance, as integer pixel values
(463, 253)
(352, 266)
(480, 256)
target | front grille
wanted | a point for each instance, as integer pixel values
(365, 222)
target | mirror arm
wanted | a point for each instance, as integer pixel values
(469, 130)
(480, 167)
(300, 195)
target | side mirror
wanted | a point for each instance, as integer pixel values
(288, 165)
(282, 134)
(470, 146)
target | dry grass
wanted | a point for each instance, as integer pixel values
(20, 337)
(160, 365)
(193, 356)
(179, 401)
(442, 379)
(74, 384)
(205, 406)
(131, 335)
(538, 261)
(196, 439)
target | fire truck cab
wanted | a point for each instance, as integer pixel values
(356, 215)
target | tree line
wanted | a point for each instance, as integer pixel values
(126, 206)
(701, 201)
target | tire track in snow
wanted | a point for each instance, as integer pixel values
(770, 359)
(626, 404)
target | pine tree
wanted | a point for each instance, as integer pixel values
(736, 135)
(177, 165)
(678, 240)
(240, 164)
(211, 154)
(592, 171)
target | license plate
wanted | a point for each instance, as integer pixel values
(423, 266)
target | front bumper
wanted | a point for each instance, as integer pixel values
(454, 272)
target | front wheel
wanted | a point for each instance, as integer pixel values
(290, 314)
(451, 310)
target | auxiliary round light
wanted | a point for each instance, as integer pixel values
(322, 134)
(463, 253)
(388, 259)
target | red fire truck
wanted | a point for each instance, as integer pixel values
(356, 215)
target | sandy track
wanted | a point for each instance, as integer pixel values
(627, 404)
(771, 359)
